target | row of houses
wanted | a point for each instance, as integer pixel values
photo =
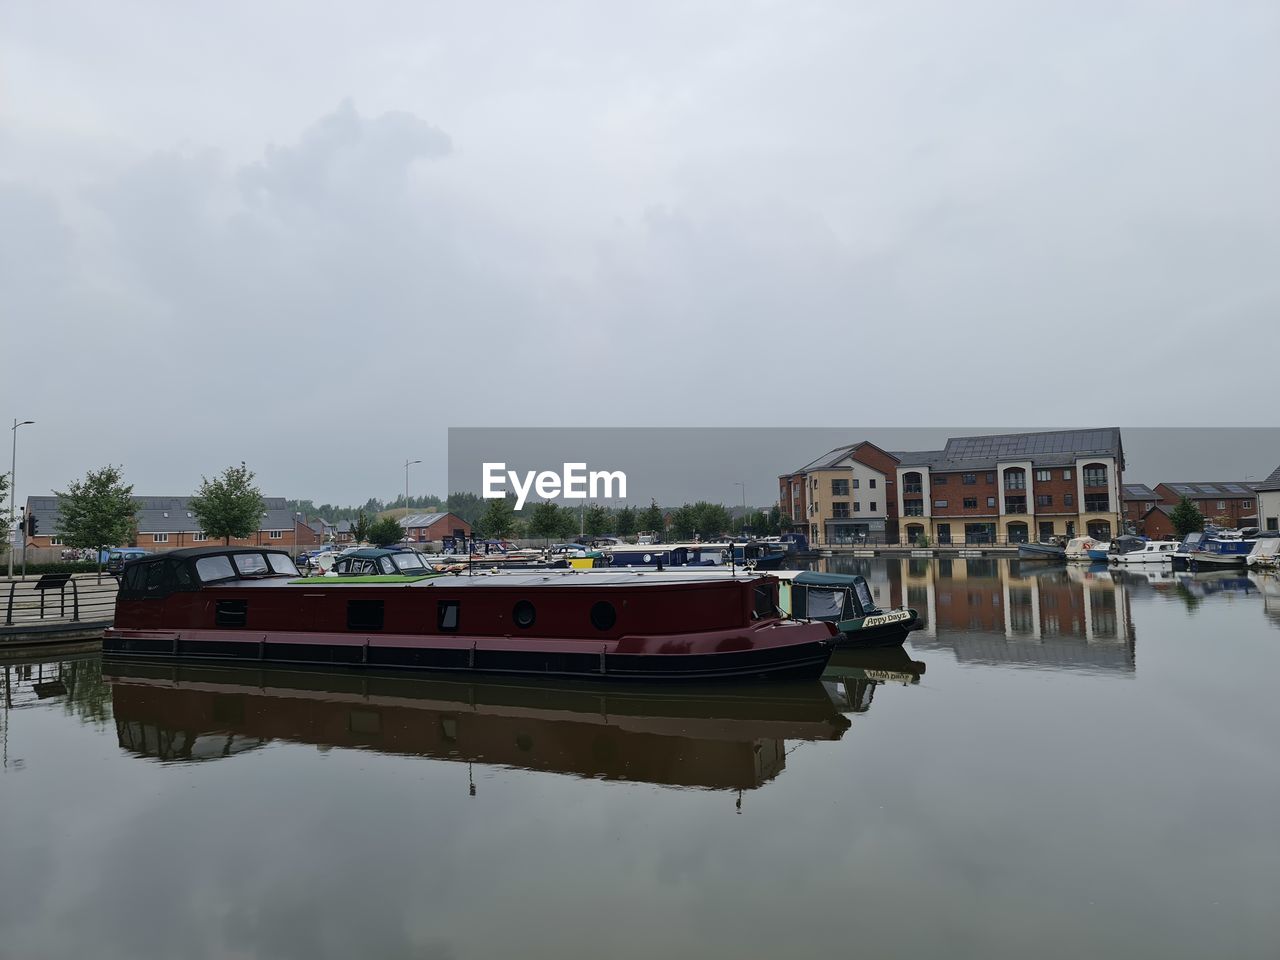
(1001, 488)
(167, 523)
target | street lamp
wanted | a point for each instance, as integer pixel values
(407, 465)
(743, 485)
(13, 471)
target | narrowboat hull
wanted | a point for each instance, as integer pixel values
(1041, 551)
(879, 630)
(782, 650)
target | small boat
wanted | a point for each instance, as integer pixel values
(249, 604)
(1078, 548)
(1099, 551)
(1041, 551)
(1265, 554)
(1122, 545)
(845, 600)
(1153, 551)
(666, 555)
(1216, 553)
(1181, 558)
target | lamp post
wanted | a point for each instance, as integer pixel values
(743, 485)
(13, 472)
(407, 465)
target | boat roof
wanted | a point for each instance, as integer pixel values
(195, 552)
(812, 579)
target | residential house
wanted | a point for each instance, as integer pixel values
(1235, 502)
(1268, 494)
(1138, 500)
(424, 527)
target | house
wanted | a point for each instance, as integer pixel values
(1268, 494)
(844, 496)
(1157, 523)
(1234, 501)
(1138, 500)
(167, 523)
(424, 527)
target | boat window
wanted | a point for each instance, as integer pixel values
(386, 565)
(364, 614)
(764, 602)
(447, 615)
(213, 568)
(282, 564)
(825, 604)
(523, 614)
(180, 574)
(603, 615)
(864, 596)
(250, 564)
(409, 562)
(231, 613)
(157, 583)
(134, 578)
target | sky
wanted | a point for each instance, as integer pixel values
(315, 236)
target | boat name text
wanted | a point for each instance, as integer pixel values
(576, 482)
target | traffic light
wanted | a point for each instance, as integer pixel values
(32, 525)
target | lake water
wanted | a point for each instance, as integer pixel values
(1061, 764)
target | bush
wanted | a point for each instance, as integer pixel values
(79, 566)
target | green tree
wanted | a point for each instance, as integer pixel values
(385, 531)
(625, 522)
(651, 521)
(4, 500)
(229, 505)
(1186, 518)
(97, 511)
(598, 520)
(498, 518)
(360, 527)
(545, 521)
(466, 506)
(570, 524)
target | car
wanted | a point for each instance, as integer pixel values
(117, 557)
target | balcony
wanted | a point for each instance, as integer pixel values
(913, 488)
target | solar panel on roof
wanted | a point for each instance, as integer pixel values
(1207, 488)
(1235, 488)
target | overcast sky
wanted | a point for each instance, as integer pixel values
(314, 236)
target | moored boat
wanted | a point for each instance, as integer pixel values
(1078, 548)
(1215, 553)
(1122, 545)
(845, 600)
(248, 604)
(1151, 551)
(1266, 552)
(1041, 551)
(1099, 551)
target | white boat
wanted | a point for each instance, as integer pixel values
(1078, 548)
(1265, 554)
(1153, 551)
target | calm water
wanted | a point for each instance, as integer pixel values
(1061, 764)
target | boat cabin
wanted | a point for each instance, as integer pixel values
(178, 571)
(372, 561)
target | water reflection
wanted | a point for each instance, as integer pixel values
(990, 610)
(852, 676)
(718, 739)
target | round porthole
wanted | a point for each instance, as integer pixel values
(647, 558)
(523, 614)
(603, 615)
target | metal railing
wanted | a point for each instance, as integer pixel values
(59, 597)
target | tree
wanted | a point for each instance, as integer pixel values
(96, 512)
(498, 518)
(651, 521)
(466, 506)
(625, 522)
(229, 505)
(598, 520)
(385, 531)
(1186, 518)
(360, 527)
(4, 499)
(545, 521)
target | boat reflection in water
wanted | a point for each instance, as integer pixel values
(719, 738)
(852, 675)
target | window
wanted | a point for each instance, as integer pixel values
(447, 616)
(282, 564)
(873, 505)
(230, 613)
(1015, 504)
(939, 503)
(1095, 475)
(971, 503)
(55, 541)
(969, 478)
(857, 506)
(840, 488)
(991, 501)
(603, 615)
(913, 508)
(1222, 504)
(1068, 499)
(1042, 475)
(991, 478)
(873, 486)
(939, 481)
(160, 537)
(275, 534)
(1015, 478)
(912, 483)
(1246, 504)
(251, 564)
(199, 537)
(840, 508)
(364, 614)
(523, 614)
(1044, 500)
(1097, 502)
(209, 569)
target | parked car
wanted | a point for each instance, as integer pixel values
(117, 557)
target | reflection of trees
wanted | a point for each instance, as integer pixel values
(88, 695)
(1189, 599)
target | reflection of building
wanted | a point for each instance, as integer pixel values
(720, 739)
(1002, 611)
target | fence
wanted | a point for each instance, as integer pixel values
(59, 598)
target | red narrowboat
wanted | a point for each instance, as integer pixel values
(251, 605)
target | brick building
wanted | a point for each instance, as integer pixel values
(844, 496)
(425, 527)
(1235, 500)
(167, 523)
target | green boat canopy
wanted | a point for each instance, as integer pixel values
(811, 579)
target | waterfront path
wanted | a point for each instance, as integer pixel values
(52, 609)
